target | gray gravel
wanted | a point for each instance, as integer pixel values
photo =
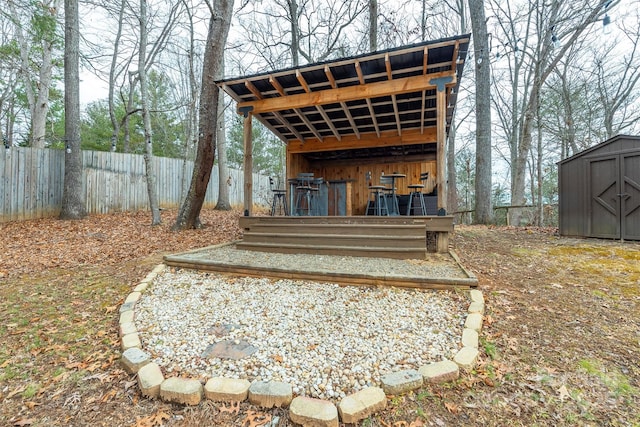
(435, 266)
(326, 340)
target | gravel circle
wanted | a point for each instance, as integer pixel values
(326, 340)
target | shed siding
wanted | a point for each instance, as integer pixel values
(584, 175)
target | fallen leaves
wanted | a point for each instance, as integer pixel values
(233, 408)
(152, 420)
(256, 419)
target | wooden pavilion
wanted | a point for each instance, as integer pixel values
(350, 121)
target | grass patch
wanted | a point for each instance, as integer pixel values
(617, 383)
(489, 348)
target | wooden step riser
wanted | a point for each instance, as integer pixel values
(339, 251)
(337, 229)
(335, 240)
(432, 223)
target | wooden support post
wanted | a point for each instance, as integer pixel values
(248, 165)
(441, 136)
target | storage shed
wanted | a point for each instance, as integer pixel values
(599, 190)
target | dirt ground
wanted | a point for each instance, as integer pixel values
(560, 344)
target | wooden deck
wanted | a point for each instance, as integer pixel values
(403, 237)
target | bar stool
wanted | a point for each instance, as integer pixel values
(377, 203)
(416, 192)
(307, 189)
(279, 201)
(390, 193)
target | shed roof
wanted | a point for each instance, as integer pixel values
(599, 146)
(333, 106)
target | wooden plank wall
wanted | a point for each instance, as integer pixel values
(358, 173)
(32, 180)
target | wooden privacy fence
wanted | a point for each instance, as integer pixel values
(32, 179)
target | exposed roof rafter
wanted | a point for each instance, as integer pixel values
(366, 97)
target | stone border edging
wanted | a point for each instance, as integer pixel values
(302, 409)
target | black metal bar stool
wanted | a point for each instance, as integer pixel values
(390, 194)
(416, 193)
(279, 202)
(307, 189)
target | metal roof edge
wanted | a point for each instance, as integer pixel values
(597, 146)
(462, 54)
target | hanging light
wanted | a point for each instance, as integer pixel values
(606, 24)
(68, 149)
(606, 21)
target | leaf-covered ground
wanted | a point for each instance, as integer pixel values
(560, 346)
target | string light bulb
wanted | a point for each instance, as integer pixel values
(606, 24)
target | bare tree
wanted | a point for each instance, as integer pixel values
(148, 133)
(617, 82)
(484, 205)
(72, 198)
(285, 32)
(530, 33)
(39, 40)
(219, 23)
(373, 25)
(223, 203)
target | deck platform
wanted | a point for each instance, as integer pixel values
(337, 250)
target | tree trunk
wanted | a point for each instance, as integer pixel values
(223, 203)
(188, 216)
(295, 32)
(483, 205)
(37, 91)
(112, 81)
(373, 25)
(72, 198)
(146, 119)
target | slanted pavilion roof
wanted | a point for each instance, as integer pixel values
(369, 105)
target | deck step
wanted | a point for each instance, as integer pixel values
(381, 252)
(385, 237)
(337, 240)
(351, 229)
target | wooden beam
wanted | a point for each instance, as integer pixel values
(248, 166)
(409, 158)
(386, 139)
(441, 136)
(349, 93)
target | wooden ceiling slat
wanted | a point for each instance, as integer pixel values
(278, 87)
(320, 109)
(372, 111)
(394, 101)
(345, 107)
